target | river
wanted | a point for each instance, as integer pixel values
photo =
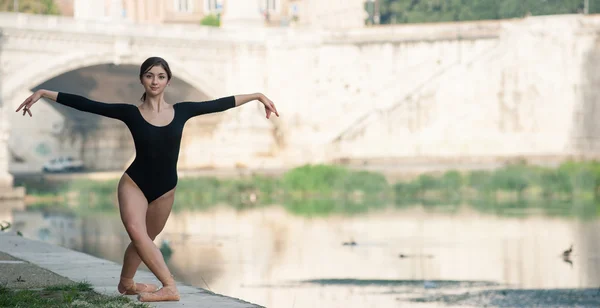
(409, 257)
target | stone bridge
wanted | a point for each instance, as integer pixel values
(471, 92)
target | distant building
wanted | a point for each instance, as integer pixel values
(329, 14)
(65, 7)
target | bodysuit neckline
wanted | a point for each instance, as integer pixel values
(139, 112)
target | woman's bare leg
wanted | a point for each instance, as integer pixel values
(133, 207)
(156, 217)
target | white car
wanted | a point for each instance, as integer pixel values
(63, 164)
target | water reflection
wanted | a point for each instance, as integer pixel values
(387, 258)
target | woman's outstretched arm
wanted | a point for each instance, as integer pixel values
(197, 108)
(33, 98)
(52, 95)
(116, 111)
(241, 99)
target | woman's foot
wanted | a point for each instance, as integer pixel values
(129, 287)
(165, 294)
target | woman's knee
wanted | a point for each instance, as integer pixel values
(154, 232)
(137, 232)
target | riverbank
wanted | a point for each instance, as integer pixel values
(46, 265)
(569, 189)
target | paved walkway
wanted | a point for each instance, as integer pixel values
(26, 263)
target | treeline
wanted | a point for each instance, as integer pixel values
(421, 11)
(572, 188)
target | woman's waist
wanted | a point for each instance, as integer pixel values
(154, 166)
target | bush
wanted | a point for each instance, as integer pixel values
(211, 20)
(556, 182)
(315, 179)
(512, 178)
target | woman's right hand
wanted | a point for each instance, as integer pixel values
(32, 99)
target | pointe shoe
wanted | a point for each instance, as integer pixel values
(164, 294)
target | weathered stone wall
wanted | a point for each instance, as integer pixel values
(461, 91)
(522, 93)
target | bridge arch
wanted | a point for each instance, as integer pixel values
(40, 71)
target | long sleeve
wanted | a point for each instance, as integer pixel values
(192, 109)
(115, 111)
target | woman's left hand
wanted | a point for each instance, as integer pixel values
(269, 106)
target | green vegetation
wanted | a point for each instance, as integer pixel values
(211, 20)
(419, 11)
(572, 188)
(65, 197)
(47, 7)
(307, 190)
(74, 295)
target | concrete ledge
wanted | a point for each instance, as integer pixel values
(103, 275)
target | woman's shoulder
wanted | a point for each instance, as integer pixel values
(125, 105)
(180, 104)
(126, 108)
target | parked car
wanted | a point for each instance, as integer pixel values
(63, 164)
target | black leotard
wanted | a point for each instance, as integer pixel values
(154, 169)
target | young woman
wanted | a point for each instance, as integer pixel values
(147, 188)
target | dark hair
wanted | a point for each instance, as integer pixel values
(149, 64)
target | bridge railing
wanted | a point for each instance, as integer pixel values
(126, 28)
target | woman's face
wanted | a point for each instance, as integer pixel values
(155, 80)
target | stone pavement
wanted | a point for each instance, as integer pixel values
(26, 263)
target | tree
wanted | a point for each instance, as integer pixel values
(46, 7)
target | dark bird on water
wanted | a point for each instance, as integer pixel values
(351, 243)
(567, 253)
